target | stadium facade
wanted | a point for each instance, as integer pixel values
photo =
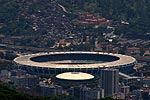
(88, 62)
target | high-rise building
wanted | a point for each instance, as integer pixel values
(109, 81)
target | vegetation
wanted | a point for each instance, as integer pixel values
(5, 65)
(145, 68)
(136, 12)
(9, 94)
(107, 99)
(7, 55)
(9, 16)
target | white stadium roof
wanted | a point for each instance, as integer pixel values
(76, 76)
(26, 60)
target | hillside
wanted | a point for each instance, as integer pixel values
(136, 12)
(62, 24)
(30, 17)
(9, 94)
(21, 17)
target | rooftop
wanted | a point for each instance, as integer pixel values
(76, 76)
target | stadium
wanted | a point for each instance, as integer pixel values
(86, 62)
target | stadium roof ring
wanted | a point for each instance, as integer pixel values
(76, 60)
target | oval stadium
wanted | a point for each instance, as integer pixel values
(88, 62)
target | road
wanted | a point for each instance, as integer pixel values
(63, 8)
